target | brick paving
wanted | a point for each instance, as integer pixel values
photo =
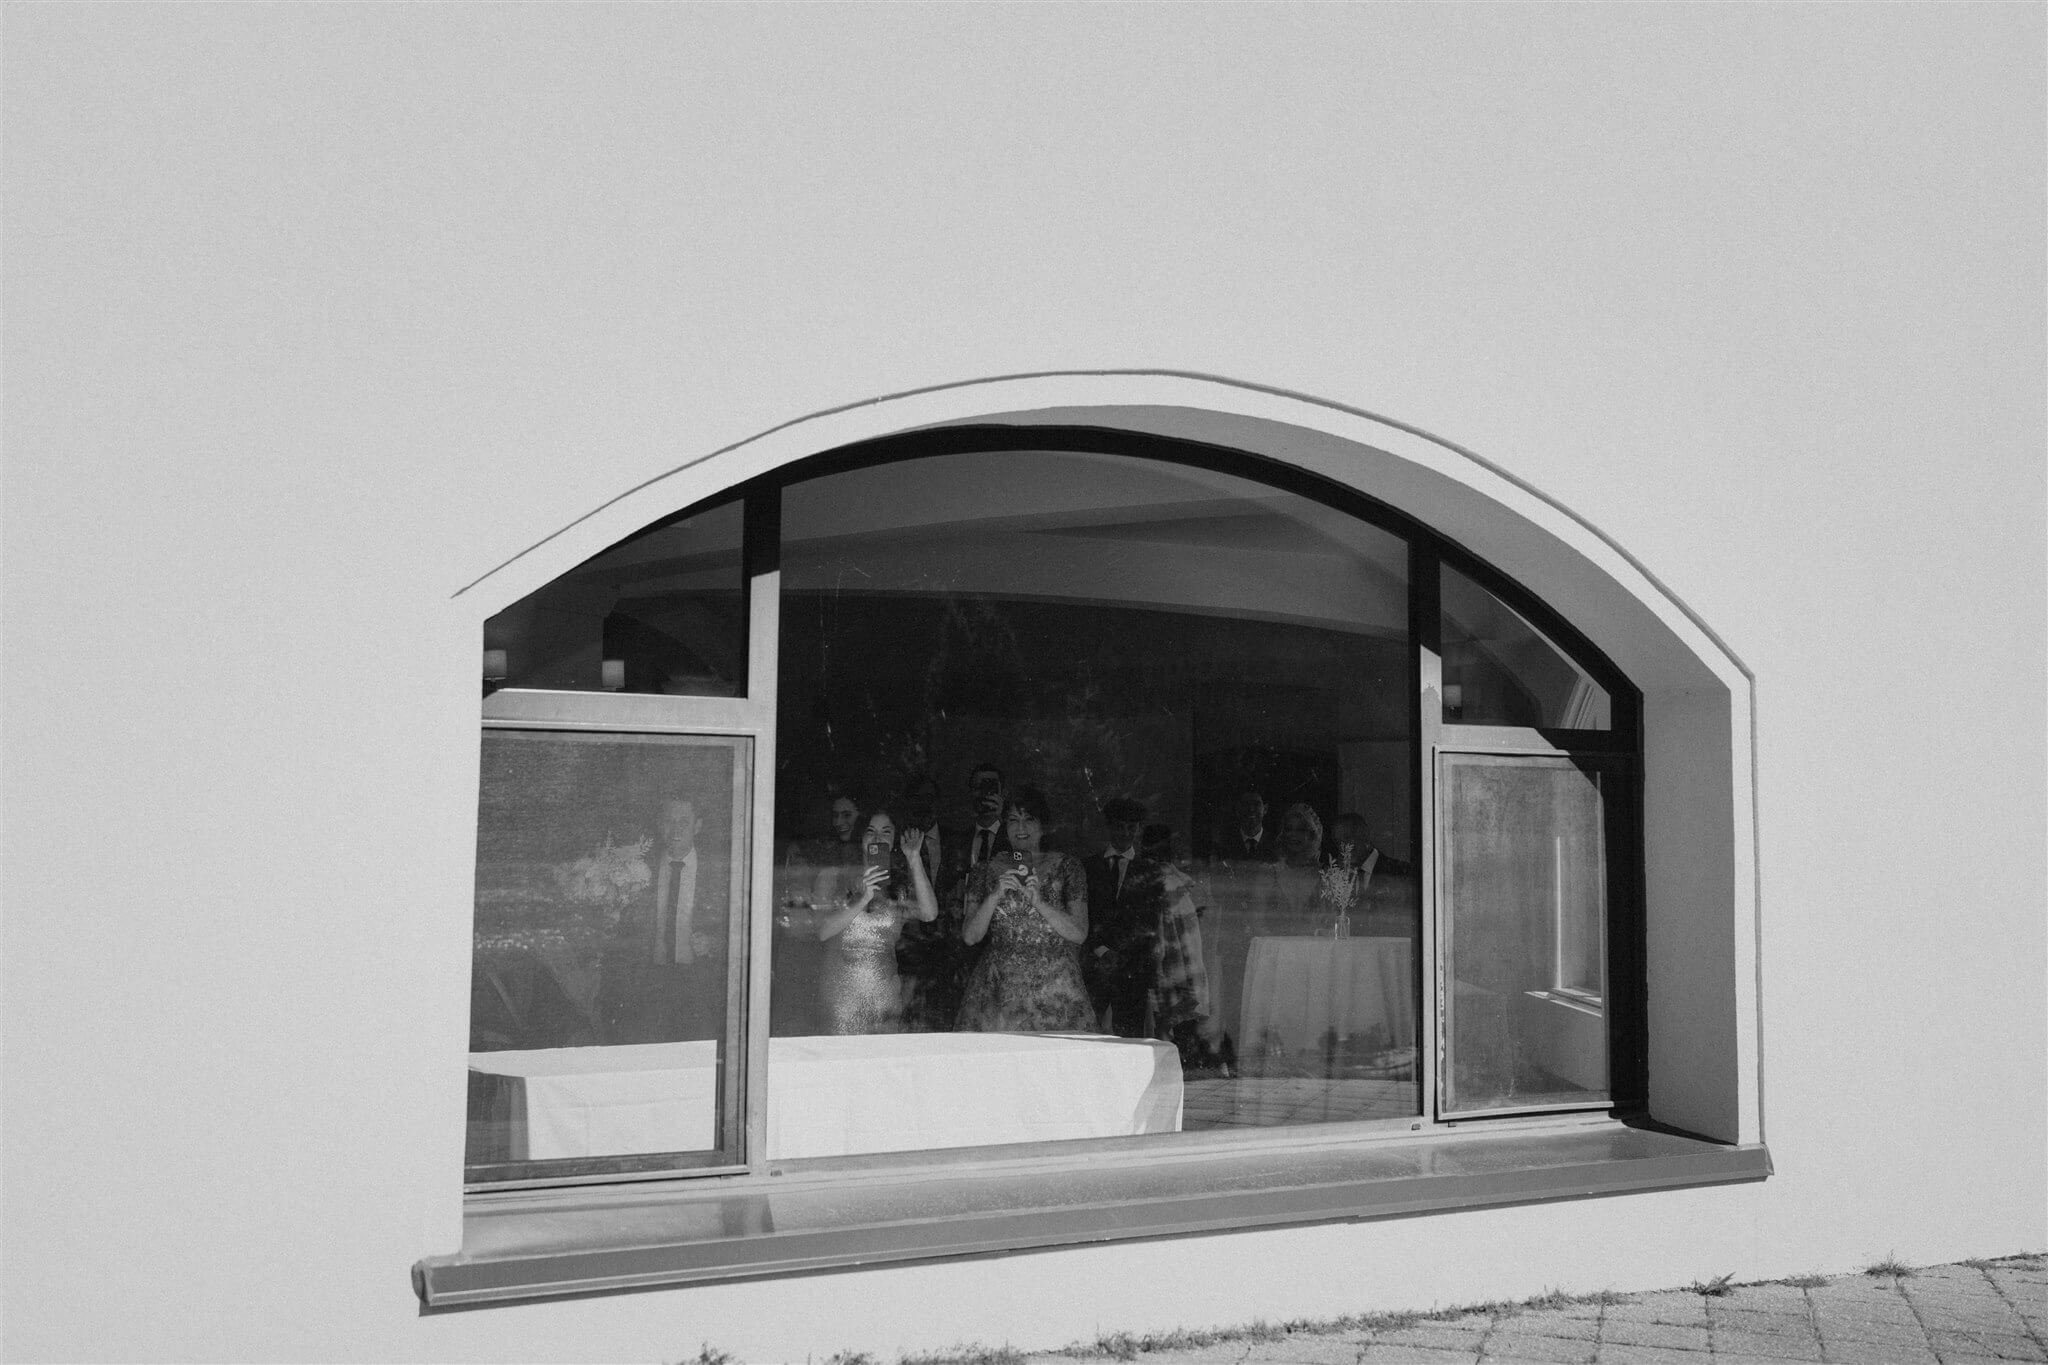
(1970, 1313)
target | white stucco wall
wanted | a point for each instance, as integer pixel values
(314, 316)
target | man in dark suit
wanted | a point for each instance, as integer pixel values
(664, 977)
(1119, 956)
(932, 957)
(1248, 840)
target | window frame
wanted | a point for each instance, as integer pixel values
(1038, 1168)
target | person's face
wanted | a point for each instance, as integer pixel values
(881, 829)
(1025, 831)
(844, 813)
(988, 795)
(679, 826)
(1348, 832)
(1251, 812)
(1123, 834)
(1298, 838)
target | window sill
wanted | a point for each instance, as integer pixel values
(561, 1242)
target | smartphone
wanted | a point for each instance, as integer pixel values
(877, 852)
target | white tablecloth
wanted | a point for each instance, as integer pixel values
(836, 1096)
(1297, 989)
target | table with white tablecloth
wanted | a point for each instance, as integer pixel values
(831, 1096)
(1299, 993)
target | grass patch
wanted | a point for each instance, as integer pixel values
(1805, 1281)
(1890, 1265)
(707, 1354)
(964, 1354)
(1720, 1287)
(2020, 1260)
(1131, 1345)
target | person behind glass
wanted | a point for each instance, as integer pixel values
(1292, 899)
(859, 989)
(1383, 893)
(1350, 830)
(663, 980)
(1118, 960)
(1247, 839)
(1181, 1006)
(987, 836)
(1032, 907)
(793, 997)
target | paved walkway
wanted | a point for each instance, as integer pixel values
(1945, 1315)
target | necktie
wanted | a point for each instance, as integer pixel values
(1118, 860)
(981, 842)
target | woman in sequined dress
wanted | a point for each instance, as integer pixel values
(1033, 909)
(858, 989)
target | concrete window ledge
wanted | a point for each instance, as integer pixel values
(592, 1240)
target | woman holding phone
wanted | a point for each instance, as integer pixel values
(1032, 906)
(858, 988)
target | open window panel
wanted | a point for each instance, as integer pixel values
(608, 968)
(1528, 880)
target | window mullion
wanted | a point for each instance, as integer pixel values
(1425, 626)
(762, 552)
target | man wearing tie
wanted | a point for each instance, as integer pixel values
(1124, 900)
(988, 837)
(664, 979)
(932, 958)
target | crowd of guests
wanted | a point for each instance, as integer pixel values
(894, 923)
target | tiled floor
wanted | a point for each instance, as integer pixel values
(1964, 1314)
(1268, 1101)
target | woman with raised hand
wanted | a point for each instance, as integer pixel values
(858, 989)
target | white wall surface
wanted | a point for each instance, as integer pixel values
(315, 314)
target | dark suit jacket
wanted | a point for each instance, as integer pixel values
(644, 995)
(956, 847)
(1123, 927)
(1227, 846)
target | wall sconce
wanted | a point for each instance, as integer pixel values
(494, 665)
(613, 674)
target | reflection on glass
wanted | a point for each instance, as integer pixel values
(1525, 889)
(662, 611)
(1500, 670)
(608, 869)
(1153, 725)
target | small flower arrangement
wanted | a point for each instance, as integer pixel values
(1339, 886)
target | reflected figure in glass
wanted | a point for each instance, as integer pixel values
(935, 959)
(1032, 907)
(1119, 960)
(1181, 1011)
(1292, 899)
(663, 978)
(859, 989)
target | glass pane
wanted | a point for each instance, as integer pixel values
(1179, 702)
(1525, 897)
(1500, 670)
(662, 611)
(609, 869)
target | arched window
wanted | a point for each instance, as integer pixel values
(999, 792)
(1196, 847)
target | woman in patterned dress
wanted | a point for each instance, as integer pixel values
(858, 988)
(1033, 909)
